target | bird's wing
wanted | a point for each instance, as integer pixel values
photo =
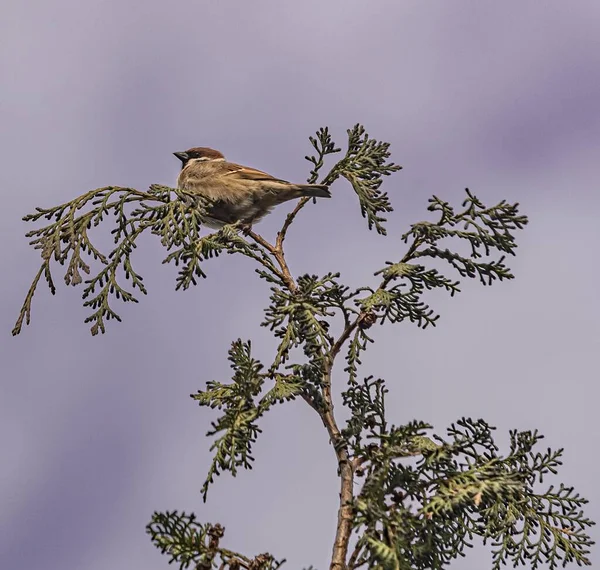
(246, 173)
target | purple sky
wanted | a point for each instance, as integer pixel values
(96, 433)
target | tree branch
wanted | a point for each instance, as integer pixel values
(277, 252)
(346, 473)
(352, 561)
(345, 466)
(288, 222)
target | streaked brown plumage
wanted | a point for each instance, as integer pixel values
(240, 193)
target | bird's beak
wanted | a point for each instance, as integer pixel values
(183, 156)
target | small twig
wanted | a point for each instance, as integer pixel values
(277, 253)
(288, 222)
(354, 556)
(351, 326)
(262, 241)
(348, 330)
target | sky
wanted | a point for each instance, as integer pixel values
(98, 432)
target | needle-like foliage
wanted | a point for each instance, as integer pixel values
(409, 499)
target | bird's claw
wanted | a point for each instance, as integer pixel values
(245, 228)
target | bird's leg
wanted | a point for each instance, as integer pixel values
(246, 228)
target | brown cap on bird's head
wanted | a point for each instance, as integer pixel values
(199, 152)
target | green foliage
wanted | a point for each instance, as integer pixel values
(187, 542)
(484, 229)
(363, 166)
(423, 499)
(241, 410)
(298, 317)
(423, 514)
(164, 212)
(66, 241)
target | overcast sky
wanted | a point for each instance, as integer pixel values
(97, 433)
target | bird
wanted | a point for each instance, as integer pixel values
(237, 193)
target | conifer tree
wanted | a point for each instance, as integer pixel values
(408, 498)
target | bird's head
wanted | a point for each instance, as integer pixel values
(198, 153)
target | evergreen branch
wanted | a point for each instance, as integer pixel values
(492, 230)
(190, 257)
(424, 498)
(323, 145)
(188, 542)
(286, 388)
(25, 312)
(299, 317)
(345, 515)
(237, 244)
(277, 252)
(176, 222)
(365, 164)
(242, 409)
(233, 449)
(356, 559)
(461, 488)
(357, 346)
(548, 528)
(366, 403)
(485, 230)
(72, 231)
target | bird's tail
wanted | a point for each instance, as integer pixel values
(315, 190)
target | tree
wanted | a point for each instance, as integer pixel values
(408, 499)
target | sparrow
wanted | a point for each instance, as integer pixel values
(238, 193)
